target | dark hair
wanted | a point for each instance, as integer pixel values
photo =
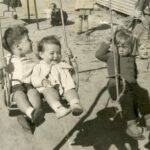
(13, 35)
(124, 35)
(48, 40)
(55, 6)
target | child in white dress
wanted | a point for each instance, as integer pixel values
(52, 78)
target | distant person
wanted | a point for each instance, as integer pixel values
(54, 15)
(140, 8)
(83, 9)
(135, 99)
(13, 4)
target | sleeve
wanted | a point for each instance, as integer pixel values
(36, 77)
(63, 77)
(67, 80)
(102, 53)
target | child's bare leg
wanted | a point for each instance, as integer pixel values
(34, 98)
(24, 105)
(15, 14)
(79, 24)
(86, 22)
(53, 99)
(22, 102)
(36, 102)
(73, 99)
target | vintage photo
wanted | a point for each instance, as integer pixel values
(75, 74)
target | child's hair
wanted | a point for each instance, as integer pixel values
(13, 35)
(48, 40)
(55, 6)
(124, 36)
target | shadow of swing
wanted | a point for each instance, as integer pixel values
(93, 29)
(101, 132)
(32, 21)
(79, 124)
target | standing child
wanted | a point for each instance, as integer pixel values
(13, 4)
(51, 77)
(135, 97)
(83, 9)
(140, 7)
(19, 66)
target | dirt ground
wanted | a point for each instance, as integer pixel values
(94, 129)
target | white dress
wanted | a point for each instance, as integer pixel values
(57, 74)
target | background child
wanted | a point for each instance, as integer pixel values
(140, 7)
(54, 15)
(52, 78)
(83, 9)
(19, 66)
(13, 4)
(135, 97)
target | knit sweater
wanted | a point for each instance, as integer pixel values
(126, 66)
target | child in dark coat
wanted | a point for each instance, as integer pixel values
(54, 15)
(134, 97)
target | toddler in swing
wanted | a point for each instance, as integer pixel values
(52, 78)
(19, 66)
(135, 99)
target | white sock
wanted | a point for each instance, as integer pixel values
(56, 105)
(74, 101)
(29, 112)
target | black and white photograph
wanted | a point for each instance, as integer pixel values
(75, 74)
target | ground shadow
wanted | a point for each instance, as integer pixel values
(32, 21)
(69, 22)
(79, 124)
(100, 27)
(93, 29)
(101, 132)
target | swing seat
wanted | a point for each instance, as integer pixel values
(13, 110)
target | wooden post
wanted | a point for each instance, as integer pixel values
(36, 14)
(28, 8)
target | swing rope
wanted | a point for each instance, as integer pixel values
(116, 104)
(71, 59)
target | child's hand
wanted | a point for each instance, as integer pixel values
(46, 83)
(3, 63)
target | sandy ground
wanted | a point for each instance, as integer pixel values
(93, 130)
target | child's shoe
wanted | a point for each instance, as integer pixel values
(25, 123)
(134, 131)
(61, 112)
(76, 107)
(37, 116)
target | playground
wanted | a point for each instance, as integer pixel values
(95, 129)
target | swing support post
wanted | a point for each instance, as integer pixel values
(71, 58)
(36, 14)
(64, 30)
